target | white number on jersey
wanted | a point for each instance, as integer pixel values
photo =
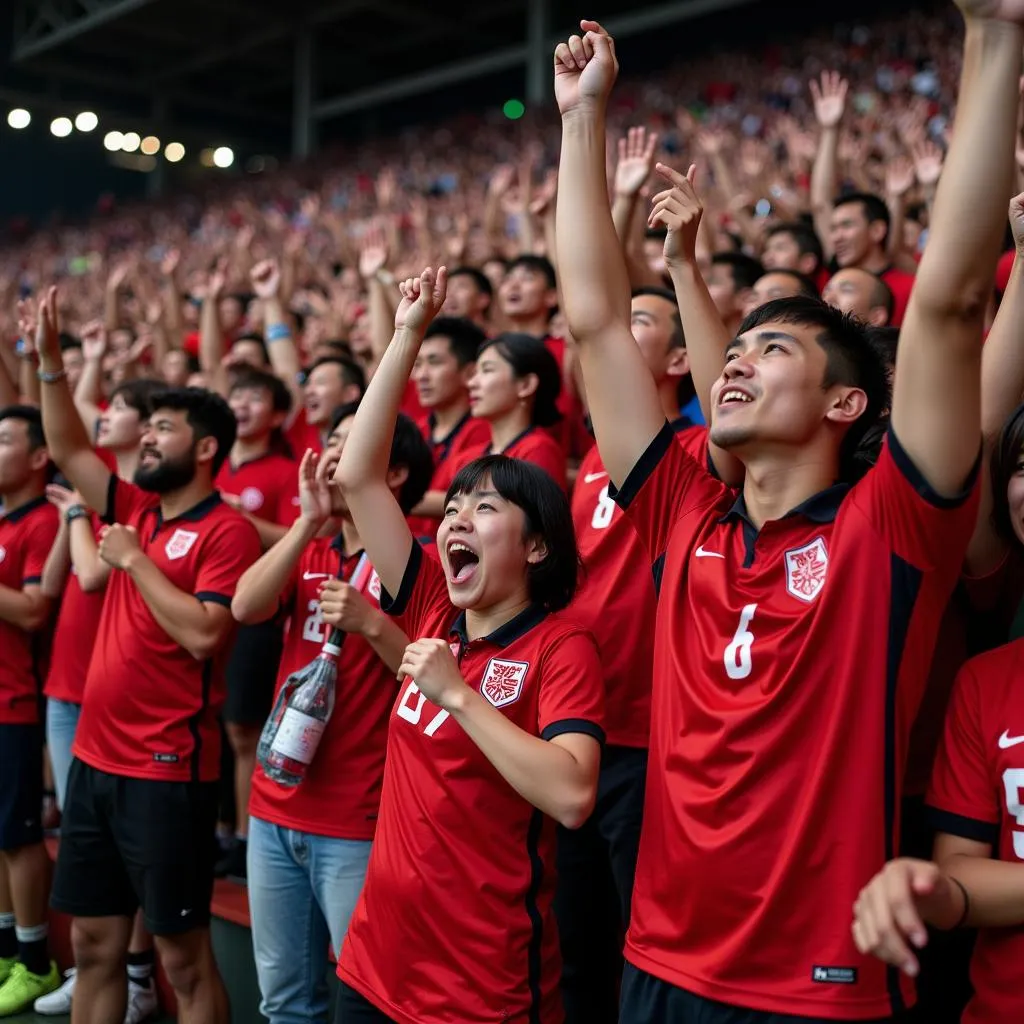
(737, 655)
(604, 511)
(1013, 783)
(411, 711)
(313, 627)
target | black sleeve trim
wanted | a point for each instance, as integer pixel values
(396, 605)
(108, 512)
(966, 828)
(31, 581)
(625, 495)
(212, 597)
(568, 725)
(916, 479)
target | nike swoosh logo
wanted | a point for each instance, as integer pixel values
(1006, 740)
(701, 553)
(315, 575)
(591, 477)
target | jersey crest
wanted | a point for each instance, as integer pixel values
(180, 544)
(373, 587)
(251, 499)
(503, 681)
(806, 569)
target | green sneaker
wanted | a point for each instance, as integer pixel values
(6, 966)
(22, 988)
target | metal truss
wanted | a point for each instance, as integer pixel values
(42, 25)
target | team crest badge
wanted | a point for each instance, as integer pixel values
(503, 681)
(806, 569)
(373, 587)
(251, 499)
(180, 544)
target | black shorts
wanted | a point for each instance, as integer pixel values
(352, 1008)
(21, 786)
(252, 672)
(649, 1000)
(129, 843)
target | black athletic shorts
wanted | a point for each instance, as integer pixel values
(252, 672)
(21, 785)
(649, 1000)
(352, 1008)
(129, 843)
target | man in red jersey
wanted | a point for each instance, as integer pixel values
(142, 792)
(617, 602)
(331, 381)
(259, 481)
(975, 804)
(27, 528)
(445, 365)
(310, 844)
(778, 734)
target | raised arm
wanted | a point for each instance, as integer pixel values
(937, 391)
(284, 356)
(362, 472)
(829, 106)
(621, 394)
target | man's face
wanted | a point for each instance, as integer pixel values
(333, 447)
(465, 298)
(232, 312)
(853, 237)
(781, 252)
(74, 362)
(120, 426)
(18, 459)
(724, 294)
(653, 322)
(250, 353)
(524, 294)
(852, 291)
(254, 412)
(174, 368)
(439, 379)
(167, 461)
(777, 285)
(325, 390)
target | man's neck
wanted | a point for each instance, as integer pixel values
(448, 417)
(174, 503)
(13, 500)
(506, 429)
(876, 262)
(249, 448)
(777, 482)
(127, 463)
(536, 325)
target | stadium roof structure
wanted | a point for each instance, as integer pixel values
(272, 73)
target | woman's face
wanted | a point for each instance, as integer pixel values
(483, 551)
(1015, 498)
(494, 389)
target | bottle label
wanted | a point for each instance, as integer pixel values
(298, 736)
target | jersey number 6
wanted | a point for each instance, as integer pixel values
(737, 655)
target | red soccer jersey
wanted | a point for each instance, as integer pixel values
(302, 435)
(77, 626)
(977, 792)
(466, 859)
(266, 487)
(340, 794)
(900, 284)
(532, 445)
(26, 536)
(616, 601)
(788, 666)
(150, 709)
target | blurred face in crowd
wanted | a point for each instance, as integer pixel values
(74, 363)
(232, 313)
(853, 238)
(495, 271)
(250, 353)
(175, 369)
(333, 447)
(197, 380)
(118, 344)
(494, 389)
(654, 254)
(18, 459)
(465, 298)
(254, 412)
(325, 390)
(728, 300)
(440, 381)
(525, 295)
(167, 460)
(858, 292)
(120, 426)
(782, 252)
(655, 325)
(776, 285)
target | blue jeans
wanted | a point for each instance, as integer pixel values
(302, 891)
(61, 723)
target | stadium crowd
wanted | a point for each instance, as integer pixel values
(661, 468)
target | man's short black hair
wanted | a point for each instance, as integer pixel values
(885, 340)
(881, 295)
(678, 339)
(745, 269)
(807, 287)
(351, 372)
(852, 359)
(205, 412)
(464, 337)
(536, 264)
(255, 339)
(807, 241)
(137, 394)
(33, 420)
(872, 206)
(250, 377)
(480, 279)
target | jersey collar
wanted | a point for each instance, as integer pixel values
(515, 628)
(515, 440)
(23, 510)
(818, 508)
(194, 514)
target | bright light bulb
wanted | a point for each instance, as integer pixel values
(223, 156)
(113, 141)
(174, 151)
(130, 142)
(61, 127)
(19, 118)
(86, 121)
(150, 145)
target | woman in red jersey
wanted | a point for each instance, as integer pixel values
(495, 736)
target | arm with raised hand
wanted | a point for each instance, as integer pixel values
(621, 393)
(636, 161)
(284, 356)
(362, 471)
(936, 402)
(829, 106)
(211, 334)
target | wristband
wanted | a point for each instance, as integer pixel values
(278, 332)
(51, 376)
(967, 902)
(25, 351)
(76, 512)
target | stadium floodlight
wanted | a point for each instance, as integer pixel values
(150, 145)
(223, 156)
(113, 141)
(86, 121)
(174, 151)
(130, 142)
(61, 127)
(19, 118)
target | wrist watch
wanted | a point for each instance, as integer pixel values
(75, 512)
